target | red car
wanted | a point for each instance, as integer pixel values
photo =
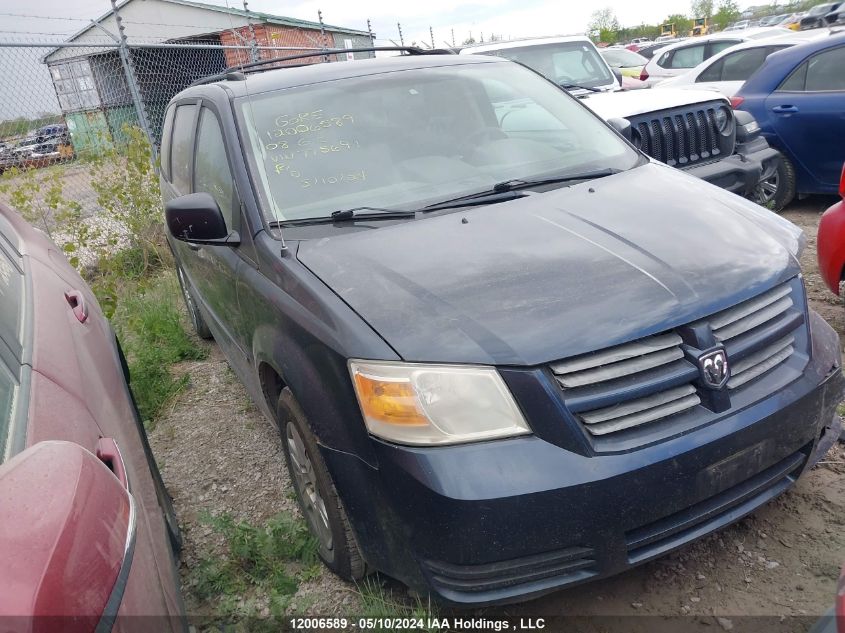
(87, 532)
(831, 241)
(834, 620)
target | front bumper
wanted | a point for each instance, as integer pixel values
(512, 519)
(740, 172)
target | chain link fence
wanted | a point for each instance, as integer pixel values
(72, 116)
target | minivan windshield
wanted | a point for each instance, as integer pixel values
(566, 63)
(413, 137)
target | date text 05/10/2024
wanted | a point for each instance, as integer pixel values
(413, 623)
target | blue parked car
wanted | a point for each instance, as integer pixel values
(798, 98)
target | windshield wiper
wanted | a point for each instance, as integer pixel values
(521, 183)
(344, 215)
(580, 87)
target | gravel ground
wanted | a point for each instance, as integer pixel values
(218, 453)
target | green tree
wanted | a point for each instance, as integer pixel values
(727, 12)
(701, 8)
(603, 24)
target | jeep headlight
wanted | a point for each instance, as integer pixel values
(723, 120)
(435, 404)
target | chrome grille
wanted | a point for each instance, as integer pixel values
(655, 379)
(640, 411)
(746, 316)
(757, 334)
(655, 363)
(620, 361)
(760, 362)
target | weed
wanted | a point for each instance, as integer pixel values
(262, 565)
(148, 321)
(379, 602)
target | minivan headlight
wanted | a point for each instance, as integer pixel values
(435, 404)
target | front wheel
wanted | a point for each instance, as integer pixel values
(316, 494)
(776, 188)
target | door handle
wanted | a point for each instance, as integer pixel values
(784, 109)
(109, 454)
(76, 301)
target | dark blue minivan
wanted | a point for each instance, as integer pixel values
(507, 352)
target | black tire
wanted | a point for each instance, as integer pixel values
(200, 326)
(342, 555)
(776, 189)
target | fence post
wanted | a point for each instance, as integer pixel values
(126, 61)
(253, 45)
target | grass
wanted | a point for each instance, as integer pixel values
(149, 321)
(261, 568)
(379, 602)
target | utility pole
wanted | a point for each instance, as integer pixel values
(453, 37)
(401, 39)
(431, 32)
(370, 31)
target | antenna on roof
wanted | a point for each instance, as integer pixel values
(401, 39)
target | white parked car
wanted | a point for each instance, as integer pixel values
(727, 71)
(693, 130)
(678, 58)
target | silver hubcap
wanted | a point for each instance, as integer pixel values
(767, 189)
(305, 481)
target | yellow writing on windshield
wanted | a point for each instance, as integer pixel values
(306, 123)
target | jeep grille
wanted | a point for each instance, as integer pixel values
(681, 137)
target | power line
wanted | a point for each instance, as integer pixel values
(43, 17)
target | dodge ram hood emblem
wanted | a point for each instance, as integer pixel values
(714, 369)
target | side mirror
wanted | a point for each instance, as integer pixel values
(67, 536)
(623, 126)
(196, 218)
(618, 74)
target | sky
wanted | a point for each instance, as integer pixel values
(52, 20)
(508, 18)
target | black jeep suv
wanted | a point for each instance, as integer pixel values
(505, 351)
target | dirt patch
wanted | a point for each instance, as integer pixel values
(218, 453)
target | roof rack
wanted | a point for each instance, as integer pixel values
(238, 73)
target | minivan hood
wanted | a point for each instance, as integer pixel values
(560, 273)
(632, 103)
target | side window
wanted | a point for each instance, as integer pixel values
(211, 169)
(741, 65)
(8, 388)
(718, 47)
(665, 59)
(795, 82)
(712, 72)
(166, 132)
(11, 300)
(688, 57)
(826, 71)
(180, 147)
